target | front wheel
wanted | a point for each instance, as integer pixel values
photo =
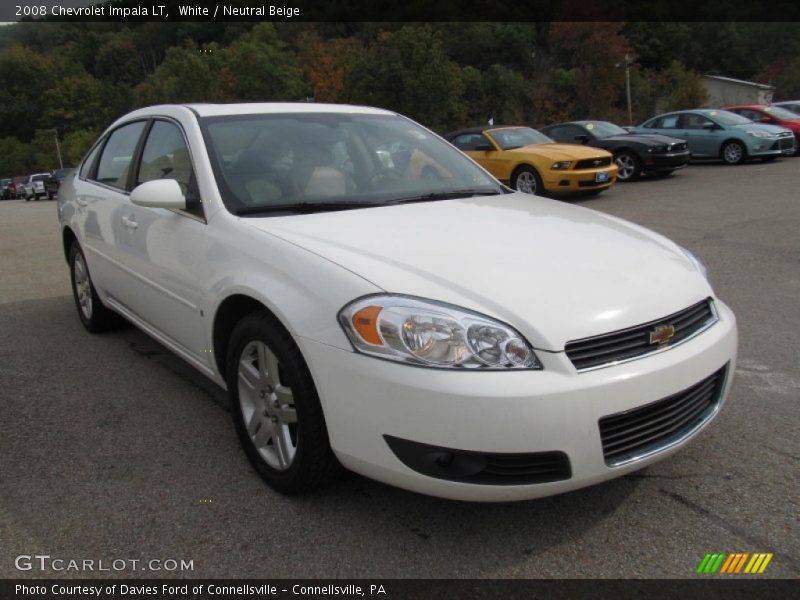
(628, 165)
(733, 153)
(526, 179)
(276, 409)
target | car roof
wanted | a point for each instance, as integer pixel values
(750, 106)
(249, 108)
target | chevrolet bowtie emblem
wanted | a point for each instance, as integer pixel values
(662, 334)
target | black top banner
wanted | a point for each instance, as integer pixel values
(412, 11)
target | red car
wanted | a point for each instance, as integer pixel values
(774, 115)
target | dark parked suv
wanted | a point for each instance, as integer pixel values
(54, 181)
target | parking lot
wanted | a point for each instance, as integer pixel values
(112, 447)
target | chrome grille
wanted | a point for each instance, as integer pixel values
(635, 433)
(626, 344)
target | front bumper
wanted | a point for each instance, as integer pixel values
(578, 181)
(519, 412)
(784, 146)
(670, 160)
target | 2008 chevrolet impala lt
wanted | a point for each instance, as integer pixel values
(372, 298)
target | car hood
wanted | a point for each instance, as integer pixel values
(647, 139)
(560, 151)
(773, 129)
(554, 271)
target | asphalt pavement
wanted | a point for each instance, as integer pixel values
(113, 448)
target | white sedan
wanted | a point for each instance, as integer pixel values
(372, 298)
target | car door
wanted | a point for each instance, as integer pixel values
(703, 134)
(100, 193)
(165, 250)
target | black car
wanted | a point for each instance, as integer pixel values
(634, 153)
(55, 180)
(5, 189)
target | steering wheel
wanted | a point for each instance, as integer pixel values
(385, 175)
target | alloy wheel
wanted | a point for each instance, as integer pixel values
(733, 153)
(526, 182)
(83, 286)
(626, 165)
(267, 406)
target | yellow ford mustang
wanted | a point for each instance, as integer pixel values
(531, 162)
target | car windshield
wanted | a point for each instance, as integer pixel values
(509, 138)
(724, 117)
(273, 161)
(782, 113)
(604, 129)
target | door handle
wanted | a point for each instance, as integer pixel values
(129, 222)
(82, 201)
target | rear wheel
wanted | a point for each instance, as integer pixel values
(628, 165)
(526, 179)
(733, 153)
(93, 314)
(276, 409)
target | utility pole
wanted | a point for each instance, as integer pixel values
(61, 162)
(58, 148)
(628, 87)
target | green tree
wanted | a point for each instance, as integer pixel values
(24, 76)
(188, 74)
(16, 157)
(684, 88)
(260, 67)
(82, 102)
(409, 71)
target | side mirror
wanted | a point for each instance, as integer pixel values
(582, 138)
(483, 148)
(159, 193)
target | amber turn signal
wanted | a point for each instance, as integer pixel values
(365, 322)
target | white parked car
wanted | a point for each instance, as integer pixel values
(34, 186)
(370, 297)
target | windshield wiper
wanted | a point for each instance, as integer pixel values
(448, 195)
(303, 208)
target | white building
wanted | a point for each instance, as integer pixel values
(726, 91)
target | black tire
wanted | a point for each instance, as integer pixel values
(99, 318)
(529, 178)
(630, 169)
(314, 463)
(735, 158)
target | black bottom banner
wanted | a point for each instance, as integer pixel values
(529, 589)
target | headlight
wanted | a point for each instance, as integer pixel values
(433, 334)
(760, 134)
(561, 165)
(657, 149)
(699, 264)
